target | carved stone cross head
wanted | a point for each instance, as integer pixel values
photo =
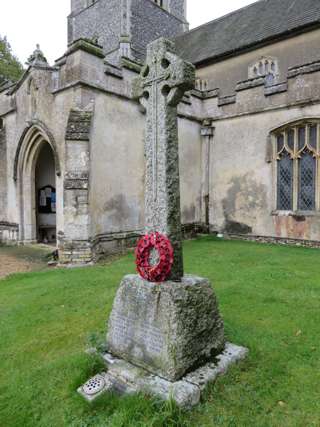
(164, 69)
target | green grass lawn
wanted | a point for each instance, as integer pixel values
(269, 299)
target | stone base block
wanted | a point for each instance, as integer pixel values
(125, 378)
(167, 328)
(75, 253)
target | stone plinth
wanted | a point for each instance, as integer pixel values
(124, 378)
(168, 329)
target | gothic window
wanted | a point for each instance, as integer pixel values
(285, 182)
(297, 159)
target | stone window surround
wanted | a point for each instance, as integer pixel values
(295, 212)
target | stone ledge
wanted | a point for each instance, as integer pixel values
(186, 99)
(125, 378)
(129, 238)
(197, 93)
(251, 83)
(130, 64)
(275, 240)
(213, 93)
(6, 224)
(113, 71)
(227, 100)
(311, 67)
(85, 45)
(205, 94)
(273, 90)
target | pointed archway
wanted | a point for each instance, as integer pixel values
(39, 186)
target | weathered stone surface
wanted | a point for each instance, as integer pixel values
(124, 378)
(79, 125)
(123, 27)
(210, 371)
(312, 67)
(3, 171)
(274, 89)
(37, 58)
(76, 184)
(166, 328)
(227, 100)
(241, 191)
(162, 83)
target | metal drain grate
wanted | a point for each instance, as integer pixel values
(94, 385)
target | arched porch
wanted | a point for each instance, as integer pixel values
(39, 186)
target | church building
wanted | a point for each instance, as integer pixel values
(72, 160)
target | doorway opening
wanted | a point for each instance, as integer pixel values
(45, 193)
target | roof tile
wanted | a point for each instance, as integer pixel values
(261, 21)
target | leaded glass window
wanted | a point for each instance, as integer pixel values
(285, 182)
(307, 181)
(297, 156)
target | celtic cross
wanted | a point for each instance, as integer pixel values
(163, 81)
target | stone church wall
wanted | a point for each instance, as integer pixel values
(242, 184)
(225, 75)
(242, 180)
(100, 185)
(190, 170)
(34, 104)
(117, 172)
(86, 106)
(3, 171)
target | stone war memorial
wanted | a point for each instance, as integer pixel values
(165, 334)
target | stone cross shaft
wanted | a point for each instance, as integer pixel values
(163, 81)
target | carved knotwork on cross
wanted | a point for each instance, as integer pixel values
(163, 81)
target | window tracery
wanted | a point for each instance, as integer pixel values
(297, 160)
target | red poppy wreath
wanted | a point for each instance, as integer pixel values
(154, 257)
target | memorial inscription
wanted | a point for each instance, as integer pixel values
(129, 328)
(165, 328)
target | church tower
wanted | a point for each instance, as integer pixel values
(125, 27)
